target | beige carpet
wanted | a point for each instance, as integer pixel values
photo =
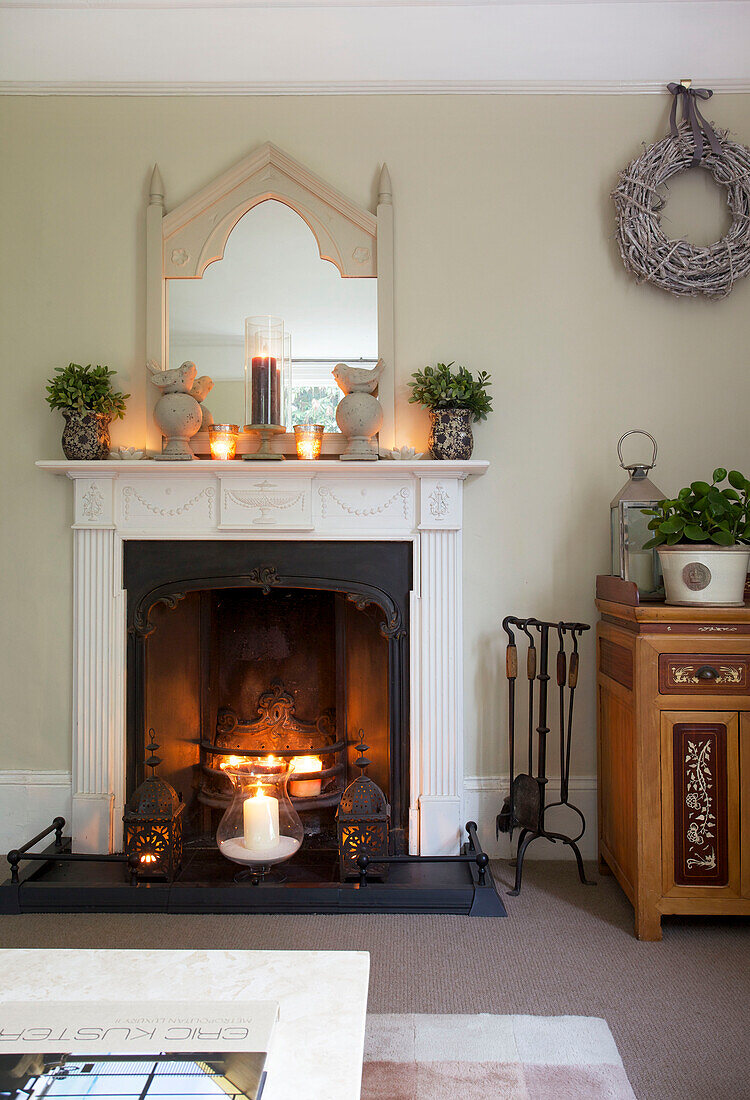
(679, 1010)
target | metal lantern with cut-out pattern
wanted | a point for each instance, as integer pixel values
(363, 821)
(153, 823)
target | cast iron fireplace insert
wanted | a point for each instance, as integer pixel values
(220, 631)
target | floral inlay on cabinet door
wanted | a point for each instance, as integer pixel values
(700, 804)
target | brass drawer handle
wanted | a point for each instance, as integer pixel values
(707, 672)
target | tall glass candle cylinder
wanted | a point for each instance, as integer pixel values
(265, 373)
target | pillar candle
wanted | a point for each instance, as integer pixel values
(260, 815)
(266, 390)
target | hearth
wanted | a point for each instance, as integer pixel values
(58, 881)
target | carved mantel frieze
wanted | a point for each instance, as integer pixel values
(364, 500)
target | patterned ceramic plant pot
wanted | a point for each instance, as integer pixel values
(450, 434)
(85, 435)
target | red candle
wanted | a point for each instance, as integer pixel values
(266, 392)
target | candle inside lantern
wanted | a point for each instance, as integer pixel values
(260, 815)
(306, 788)
(309, 440)
(222, 439)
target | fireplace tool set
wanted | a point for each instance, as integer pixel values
(526, 805)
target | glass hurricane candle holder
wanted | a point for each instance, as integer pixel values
(260, 827)
(309, 440)
(266, 383)
(222, 439)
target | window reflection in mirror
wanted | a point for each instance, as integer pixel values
(272, 265)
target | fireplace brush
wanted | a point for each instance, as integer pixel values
(525, 807)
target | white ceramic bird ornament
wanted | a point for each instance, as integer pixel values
(357, 379)
(178, 380)
(358, 413)
(177, 413)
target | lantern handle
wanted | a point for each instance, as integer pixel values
(636, 465)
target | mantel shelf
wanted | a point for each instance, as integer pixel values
(351, 471)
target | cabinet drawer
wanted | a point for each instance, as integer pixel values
(704, 673)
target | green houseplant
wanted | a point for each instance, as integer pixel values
(88, 402)
(702, 537)
(455, 398)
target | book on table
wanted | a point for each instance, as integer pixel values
(135, 1050)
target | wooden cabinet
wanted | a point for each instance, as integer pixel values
(673, 707)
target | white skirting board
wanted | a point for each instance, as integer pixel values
(29, 801)
(483, 800)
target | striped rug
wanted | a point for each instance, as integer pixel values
(424, 1057)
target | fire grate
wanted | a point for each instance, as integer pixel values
(276, 732)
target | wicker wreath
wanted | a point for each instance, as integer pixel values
(678, 266)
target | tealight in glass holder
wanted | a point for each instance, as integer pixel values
(309, 440)
(260, 827)
(222, 440)
(266, 382)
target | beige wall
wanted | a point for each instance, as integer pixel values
(505, 261)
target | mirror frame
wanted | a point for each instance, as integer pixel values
(182, 243)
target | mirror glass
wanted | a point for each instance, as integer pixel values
(272, 265)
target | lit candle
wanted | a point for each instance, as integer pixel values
(306, 788)
(260, 816)
(309, 440)
(223, 440)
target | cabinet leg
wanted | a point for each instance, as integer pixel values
(604, 867)
(647, 924)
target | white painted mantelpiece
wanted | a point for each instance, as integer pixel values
(419, 502)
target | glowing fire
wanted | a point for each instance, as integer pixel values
(148, 857)
(262, 762)
(232, 761)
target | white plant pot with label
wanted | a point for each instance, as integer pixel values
(704, 575)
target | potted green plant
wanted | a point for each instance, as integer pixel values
(702, 538)
(88, 402)
(455, 398)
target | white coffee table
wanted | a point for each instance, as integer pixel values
(317, 1047)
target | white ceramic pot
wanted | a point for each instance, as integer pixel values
(704, 575)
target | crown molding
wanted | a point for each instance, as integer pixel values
(425, 49)
(357, 87)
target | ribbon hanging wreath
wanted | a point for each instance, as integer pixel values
(676, 265)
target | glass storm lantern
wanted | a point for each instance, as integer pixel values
(266, 381)
(629, 525)
(153, 823)
(260, 827)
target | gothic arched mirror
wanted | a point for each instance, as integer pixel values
(269, 237)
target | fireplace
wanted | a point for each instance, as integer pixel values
(295, 649)
(286, 607)
(223, 507)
